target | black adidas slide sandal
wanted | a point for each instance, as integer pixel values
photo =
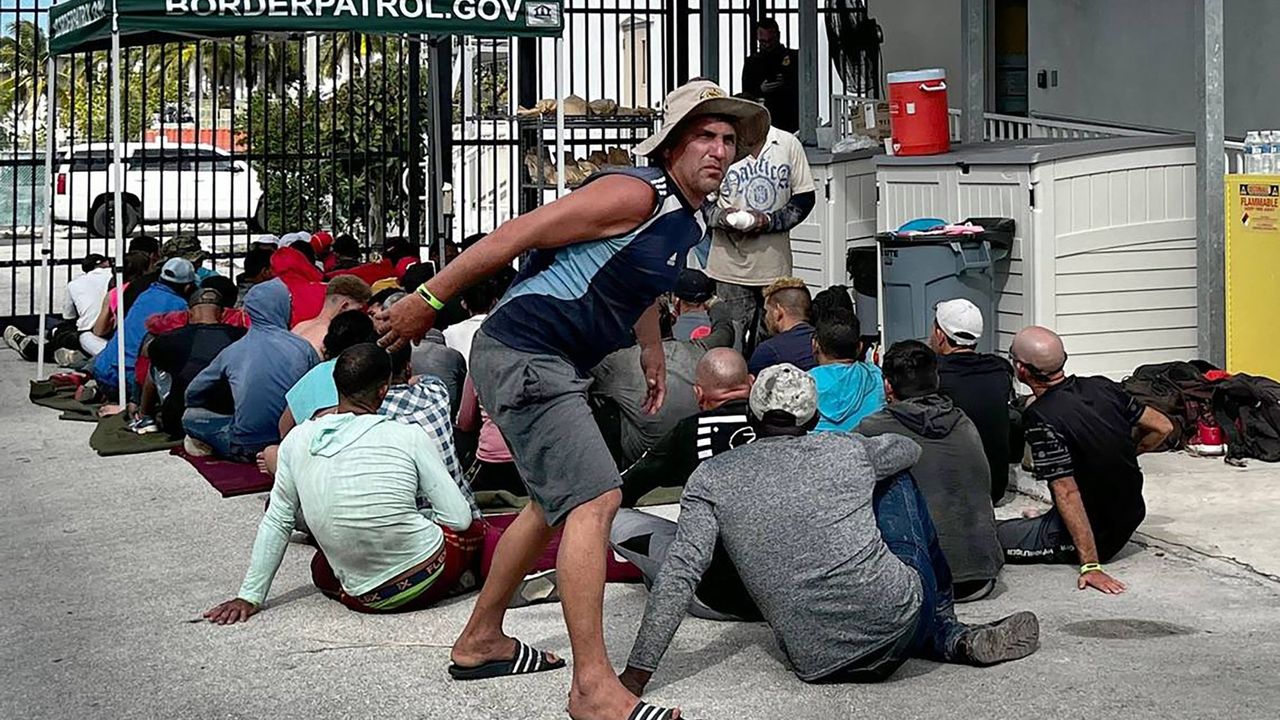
(645, 711)
(526, 660)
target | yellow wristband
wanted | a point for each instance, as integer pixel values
(1090, 567)
(432, 300)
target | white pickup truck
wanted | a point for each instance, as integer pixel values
(163, 182)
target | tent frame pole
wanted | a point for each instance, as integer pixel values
(46, 245)
(560, 116)
(117, 175)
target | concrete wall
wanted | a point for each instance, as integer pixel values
(1133, 61)
(923, 34)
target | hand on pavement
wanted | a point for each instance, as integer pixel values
(409, 319)
(1101, 582)
(231, 612)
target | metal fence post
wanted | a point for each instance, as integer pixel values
(710, 41)
(973, 59)
(808, 51)
(1210, 189)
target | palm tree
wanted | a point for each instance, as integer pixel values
(22, 73)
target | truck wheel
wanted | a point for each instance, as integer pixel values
(102, 224)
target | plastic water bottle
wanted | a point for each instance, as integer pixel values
(1267, 158)
(1252, 152)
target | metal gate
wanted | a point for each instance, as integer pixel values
(279, 133)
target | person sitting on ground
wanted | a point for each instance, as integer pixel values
(644, 539)
(952, 470)
(847, 573)
(259, 368)
(188, 247)
(477, 300)
(721, 386)
(494, 468)
(322, 247)
(257, 269)
(848, 388)
(305, 283)
(167, 294)
(832, 302)
(393, 251)
(345, 292)
(179, 356)
(786, 317)
(72, 340)
(315, 391)
(346, 253)
(980, 384)
(619, 398)
(1081, 434)
(431, 356)
(266, 241)
(421, 401)
(157, 254)
(135, 265)
(694, 291)
(359, 475)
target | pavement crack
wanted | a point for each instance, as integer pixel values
(1150, 541)
(369, 646)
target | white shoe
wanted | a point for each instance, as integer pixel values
(13, 337)
(196, 448)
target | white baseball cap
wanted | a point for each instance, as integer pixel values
(960, 320)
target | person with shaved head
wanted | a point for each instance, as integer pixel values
(1080, 430)
(723, 388)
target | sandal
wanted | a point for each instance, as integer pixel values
(645, 711)
(527, 659)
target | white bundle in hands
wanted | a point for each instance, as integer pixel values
(740, 219)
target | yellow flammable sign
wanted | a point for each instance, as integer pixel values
(1253, 273)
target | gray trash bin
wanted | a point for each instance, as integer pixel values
(921, 271)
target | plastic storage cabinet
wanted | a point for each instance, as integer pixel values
(1104, 250)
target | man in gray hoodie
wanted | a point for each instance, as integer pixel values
(848, 573)
(952, 471)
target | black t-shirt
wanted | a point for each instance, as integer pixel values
(980, 385)
(1083, 428)
(182, 354)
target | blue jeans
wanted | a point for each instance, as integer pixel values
(214, 429)
(904, 522)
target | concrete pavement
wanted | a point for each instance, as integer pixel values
(109, 562)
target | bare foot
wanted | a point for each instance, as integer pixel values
(471, 652)
(607, 700)
(107, 410)
(1032, 513)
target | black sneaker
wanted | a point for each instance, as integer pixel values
(1012, 638)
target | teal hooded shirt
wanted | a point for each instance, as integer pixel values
(847, 393)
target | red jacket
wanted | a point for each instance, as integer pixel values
(369, 272)
(305, 283)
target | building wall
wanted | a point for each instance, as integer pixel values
(922, 34)
(1133, 62)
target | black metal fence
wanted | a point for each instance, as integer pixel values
(279, 133)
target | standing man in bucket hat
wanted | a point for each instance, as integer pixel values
(601, 256)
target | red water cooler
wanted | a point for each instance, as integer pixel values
(918, 120)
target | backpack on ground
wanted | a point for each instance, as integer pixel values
(1247, 407)
(1177, 389)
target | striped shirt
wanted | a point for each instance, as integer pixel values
(581, 301)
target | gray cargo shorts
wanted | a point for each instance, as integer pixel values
(539, 402)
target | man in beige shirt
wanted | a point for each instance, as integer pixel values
(775, 189)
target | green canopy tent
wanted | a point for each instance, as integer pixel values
(86, 25)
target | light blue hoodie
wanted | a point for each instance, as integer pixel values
(847, 393)
(260, 368)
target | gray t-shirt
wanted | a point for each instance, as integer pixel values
(620, 378)
(796, 518)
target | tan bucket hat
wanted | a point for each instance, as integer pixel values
(703, 97)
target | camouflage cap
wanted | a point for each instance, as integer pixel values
(184, 246)
(785, 388)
